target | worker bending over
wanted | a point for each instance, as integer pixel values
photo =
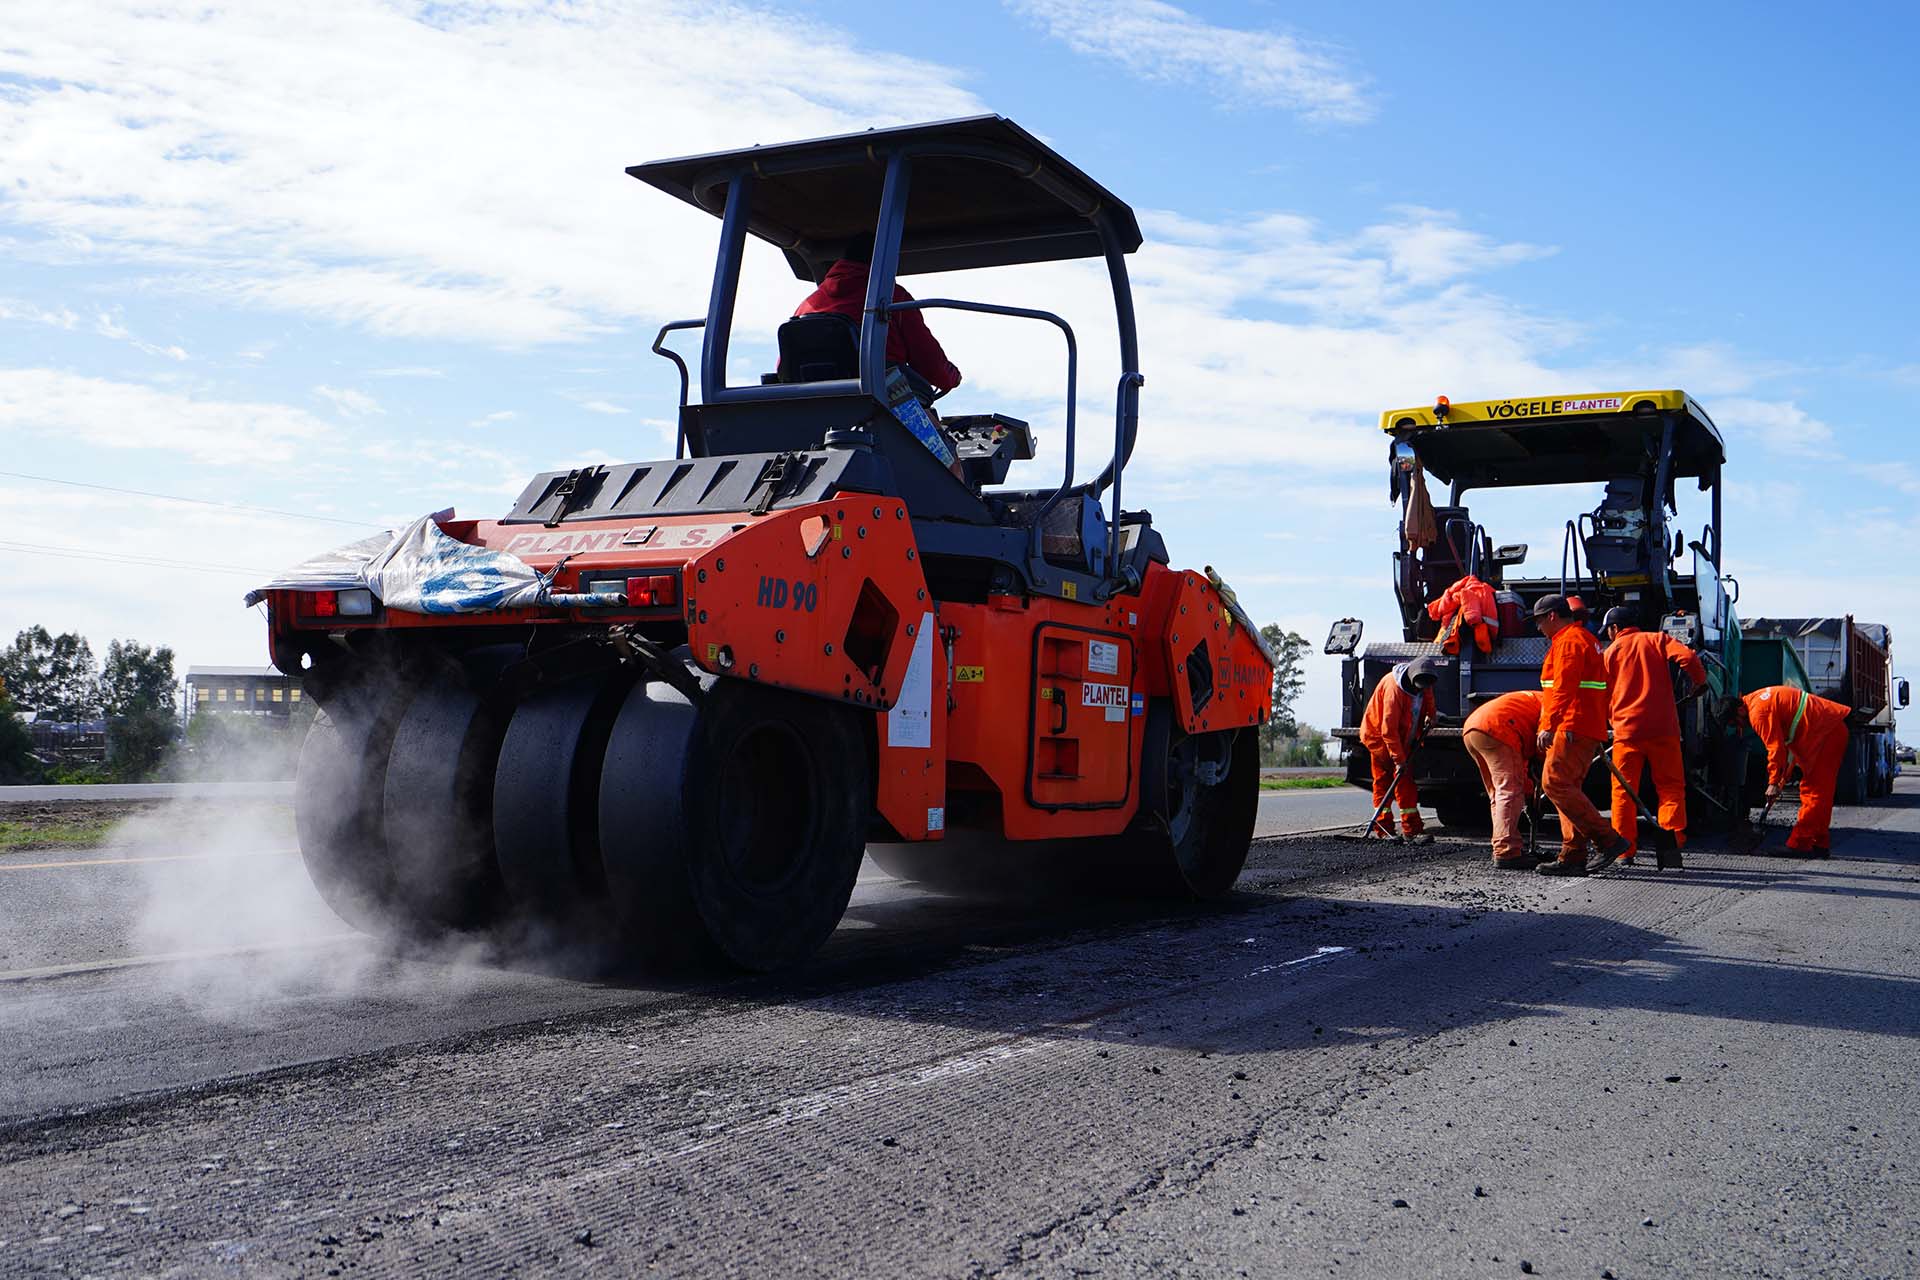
(1501, 738)
(1573, 729)
(1646, 722)
(1800, 728)
(1398, 713)
(1468, 605)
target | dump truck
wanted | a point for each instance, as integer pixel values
(662, 708)
(1847, 662)
(1635, 448)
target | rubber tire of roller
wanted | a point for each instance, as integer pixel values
(338, 810)
(546, 808)
(692, 798)
(1206, 857)
(438, 809)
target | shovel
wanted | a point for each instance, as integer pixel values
(1750, 840)
(1367, 833)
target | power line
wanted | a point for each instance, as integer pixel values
(137, 561)
(198, 502)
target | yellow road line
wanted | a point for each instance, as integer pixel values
(169, 957)
(157, 857)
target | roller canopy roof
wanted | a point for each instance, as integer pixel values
(983, 193)
(1562, 439)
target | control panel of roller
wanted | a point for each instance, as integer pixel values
(988, 444)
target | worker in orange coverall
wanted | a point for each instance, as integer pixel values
(1800, 728)
(1467, 605)
(1398, 713)
(1573, 729)
(1500, 736)
(1646, 722)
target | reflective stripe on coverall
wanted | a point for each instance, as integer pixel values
(1646, 727)
(1499, 736)
(1801, 728)
(1387, 732)
(1573, 708)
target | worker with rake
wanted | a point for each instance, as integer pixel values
(1398, 715)
(1501, 737)
(1799, 728)
(1646, 723)
(1572, 731)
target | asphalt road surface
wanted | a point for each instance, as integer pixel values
(1373, 1060)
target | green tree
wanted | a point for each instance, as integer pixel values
(17, 762)
(1289, 678)
(53, 675)
(137, 690)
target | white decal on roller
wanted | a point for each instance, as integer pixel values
(910, 723)
(1103, 657)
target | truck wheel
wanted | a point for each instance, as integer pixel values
(1851, 786)
(1465, 811)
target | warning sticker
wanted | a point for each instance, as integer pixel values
(969, 675)
(1103, 657)
(910, 723)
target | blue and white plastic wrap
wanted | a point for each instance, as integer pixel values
(419, 570)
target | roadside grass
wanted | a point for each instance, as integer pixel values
(1308, 783)
(70, 833)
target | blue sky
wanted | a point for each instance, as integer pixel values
(367, 260)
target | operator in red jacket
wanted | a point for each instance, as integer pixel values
(1468, 605)
(1501, 736)
(1398, 713)
(909, 342)
(1800, 728)
(1573, 729)
(1646, 721)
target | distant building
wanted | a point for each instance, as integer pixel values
(248, 691)
(67, 742)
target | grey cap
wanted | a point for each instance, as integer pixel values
(1619, 616)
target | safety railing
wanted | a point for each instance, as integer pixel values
(660, 348)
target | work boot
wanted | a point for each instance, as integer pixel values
(1562, 867)
(1611, 850)
(1521, 863)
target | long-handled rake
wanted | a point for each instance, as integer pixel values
(1372, 829)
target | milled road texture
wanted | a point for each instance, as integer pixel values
(1373, 1061)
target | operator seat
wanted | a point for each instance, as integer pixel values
(820, 347)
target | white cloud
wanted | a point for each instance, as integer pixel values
(356, 404)
(1158, 41)
(419, 170)
(125, 415)
(1780, 426)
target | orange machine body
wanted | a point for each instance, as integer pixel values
(1022, 715)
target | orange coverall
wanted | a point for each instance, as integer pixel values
(1800, 728)
(1573, 701)
(1467, 603)
(1646, 726)
(1387, 732)
(1499, 736)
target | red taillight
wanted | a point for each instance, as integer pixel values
(654, 589)
(323, 604)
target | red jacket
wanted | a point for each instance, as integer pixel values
(1641, 691)
(1573, 685)
(909, 341)
(1513, 718)
(1472, 597)
(1794, 724)
(1388, 724)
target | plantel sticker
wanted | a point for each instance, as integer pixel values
(1113, 699)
